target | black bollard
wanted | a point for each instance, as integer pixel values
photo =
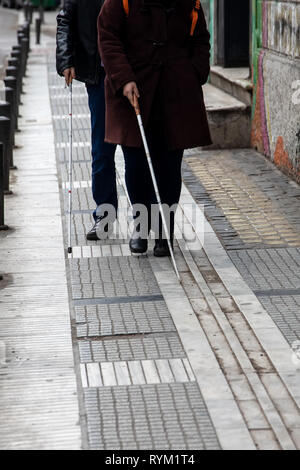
(20, 36)
(25, 45)
(15, 62)
(2, 224)
(23, 53)
(16, 54)
(38, 30)
(17, 48)
(23, 58)
(5, 139)
(13, 72)
(11, 97)
(6, 111)
(25, 29)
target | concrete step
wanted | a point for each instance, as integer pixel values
(229, 119)
(234, 81)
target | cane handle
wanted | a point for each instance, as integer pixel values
(136, 105)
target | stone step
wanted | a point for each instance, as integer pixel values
(229, 119)
(234, 81)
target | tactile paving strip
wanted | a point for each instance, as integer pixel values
(123, 318)
(163, 416)
(109, 277)
(132, 348)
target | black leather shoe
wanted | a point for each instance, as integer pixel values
(97, 232)
(161, 248)
(138, 246)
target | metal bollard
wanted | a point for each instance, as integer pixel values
(17, 48)
(25, 44)
(20, 36)
(17, 56)
(5, 139)
(21, 50)
(6, 110)
(38, 23)
(9, 98)
(23, 54)
(15, 62)
(25, 29)
(2, 224)
(13, 72)
(11, 84)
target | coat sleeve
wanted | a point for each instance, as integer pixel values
(65, 36)
(111, 29)
(201, 48)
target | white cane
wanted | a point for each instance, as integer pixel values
(70, 169)
(140, 122)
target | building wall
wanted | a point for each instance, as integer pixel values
(276, 77)
(275, 64)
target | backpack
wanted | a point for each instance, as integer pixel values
(194, 14)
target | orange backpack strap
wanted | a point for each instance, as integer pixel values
(194, 16)
(126, 7)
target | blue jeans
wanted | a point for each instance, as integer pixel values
(103, 154)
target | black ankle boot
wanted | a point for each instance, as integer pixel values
(161, 248)
(98, 231)
(138, 245)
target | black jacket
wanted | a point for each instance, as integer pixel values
(76, 39)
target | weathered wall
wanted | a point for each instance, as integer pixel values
(276, 76)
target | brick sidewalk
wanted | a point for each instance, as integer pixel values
(159, 365)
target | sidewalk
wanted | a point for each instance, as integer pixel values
(103, 350)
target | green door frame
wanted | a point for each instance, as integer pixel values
(256, 40)
(256, 36)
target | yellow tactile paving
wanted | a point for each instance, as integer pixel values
(250, 212)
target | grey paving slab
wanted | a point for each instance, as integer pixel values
(150, 417)
(109, 277)
(156, 346)
(129, 318)
(274, 275)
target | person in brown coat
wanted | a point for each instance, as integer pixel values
(150, 52)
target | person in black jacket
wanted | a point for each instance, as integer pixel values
(77, 57)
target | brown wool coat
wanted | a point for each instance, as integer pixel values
(149, 50)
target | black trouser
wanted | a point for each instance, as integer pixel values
(167, 168)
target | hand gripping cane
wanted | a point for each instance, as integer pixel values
(70, 169)
(140, 122)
